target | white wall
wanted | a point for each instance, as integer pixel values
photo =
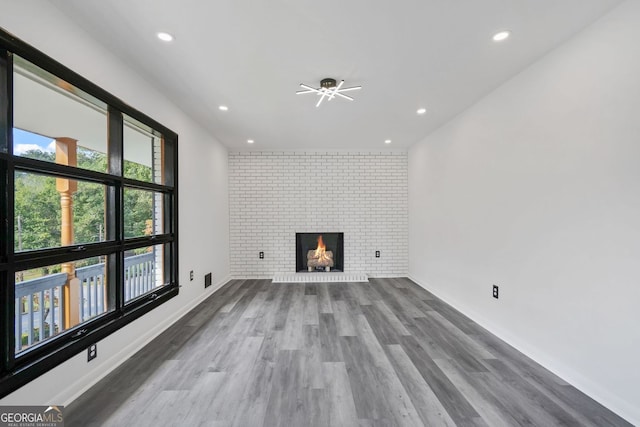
(203, 195)
(537, 189)
(273, 195)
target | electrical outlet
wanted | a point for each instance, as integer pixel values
(261, 255)
(92, 352)
(191, 276)
(377, 254)
(495, 291)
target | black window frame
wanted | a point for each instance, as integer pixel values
(18, 370)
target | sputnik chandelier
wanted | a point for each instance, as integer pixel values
(328, 89)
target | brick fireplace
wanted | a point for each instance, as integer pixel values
(274, 195)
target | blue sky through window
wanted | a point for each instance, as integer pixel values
(24, 141)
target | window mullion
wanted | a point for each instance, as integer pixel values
(114, 211)
(7, 278)
(170, 173)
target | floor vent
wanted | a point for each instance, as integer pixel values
(319, 277)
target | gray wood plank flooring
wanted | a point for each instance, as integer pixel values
(384, 353)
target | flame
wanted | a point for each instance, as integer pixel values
(320, 257)
(320, 250)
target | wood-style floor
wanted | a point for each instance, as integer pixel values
(385, 353)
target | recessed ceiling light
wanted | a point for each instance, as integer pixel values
(387, 141)
(502, 35)
(223, 108)
(250, 141)
(421, 110)
(165, 37)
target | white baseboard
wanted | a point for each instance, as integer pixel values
(386, 276)
(77, 388)
(579, 381)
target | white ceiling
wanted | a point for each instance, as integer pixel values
(252, 55)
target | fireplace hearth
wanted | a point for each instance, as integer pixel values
(319, 252)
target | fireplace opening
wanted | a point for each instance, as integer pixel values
(319, 252)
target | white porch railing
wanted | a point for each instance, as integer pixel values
(36, 301)
(40, 302)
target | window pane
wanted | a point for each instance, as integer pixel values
(39, 201)
(143, 271)
(52, 299)
(143, 213)
(143, 149)
(52, 118)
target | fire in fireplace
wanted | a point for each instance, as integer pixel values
(319, 252)
(320, 257)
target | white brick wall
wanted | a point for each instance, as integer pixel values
(273, 195)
